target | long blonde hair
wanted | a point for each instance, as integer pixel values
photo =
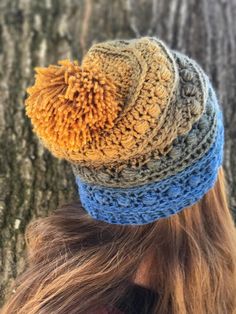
(77, 264)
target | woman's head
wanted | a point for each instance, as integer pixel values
(143, 129)
(78, 264)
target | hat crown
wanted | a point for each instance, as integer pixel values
(132, 64)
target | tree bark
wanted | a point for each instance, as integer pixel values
(38, 33)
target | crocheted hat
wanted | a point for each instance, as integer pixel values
(140, 124)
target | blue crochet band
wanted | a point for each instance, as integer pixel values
(150, 202)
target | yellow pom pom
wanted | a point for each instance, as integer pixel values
(70, 104)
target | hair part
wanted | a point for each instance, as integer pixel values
(77, 264)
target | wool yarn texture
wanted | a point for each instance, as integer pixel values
(140, 124)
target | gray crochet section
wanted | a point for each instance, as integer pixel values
(194, 87)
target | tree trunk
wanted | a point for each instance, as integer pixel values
(37, 33)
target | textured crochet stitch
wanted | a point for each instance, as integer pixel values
(140, 124)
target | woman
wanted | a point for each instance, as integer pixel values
(152, 231)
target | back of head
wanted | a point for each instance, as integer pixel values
(143, 130)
